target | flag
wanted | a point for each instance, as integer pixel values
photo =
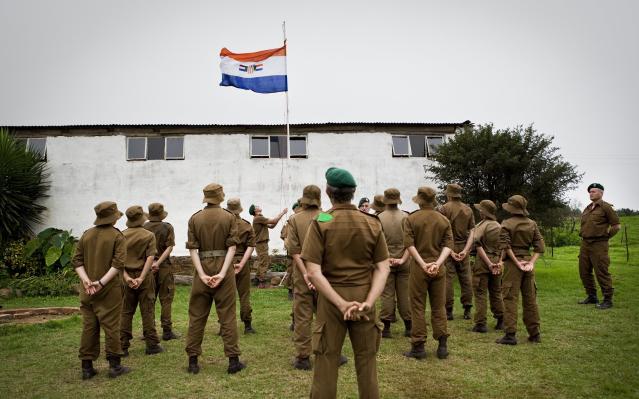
(261, 72)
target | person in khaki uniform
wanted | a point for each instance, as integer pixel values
(161, 266)
(364, 205)
(346, 259)
(138, 289)
(462, 222)
(243, 251)
(429, 240)
(261, 224)
(378, 205)
(599, 223)
(289, 261)
(396, 290)
(99, 257)
(212, 240)
(518, 234)
(487, 267)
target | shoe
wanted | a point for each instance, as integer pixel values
(88, 371)
(416, 351)
(605, 304)
(535, 339)
(153, 350)
(194, 368)
(442, 348)
(302, 363)
(386, 332)
(342, 360)
(408, 326)
(115, 368)
(507, 339)
(500, 324)
(168, 335)
(449, 314)
(480, 328)
(235, 365)
(467, 315)
(590, 299)
(248, 329)
(290, 294)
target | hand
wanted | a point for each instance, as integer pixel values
(214, 281)
(454, 256)
(95, 287)
(461, 256)
(284, 211)
(364, 308)
(138, 282)
(433, 269)
(88, 286)
(308, 282)
(393, 262)
(155, 267)
(237, 267)
(205, 278)
(349, 309)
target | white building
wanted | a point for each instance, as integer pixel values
(140, 164)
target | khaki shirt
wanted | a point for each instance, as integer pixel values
(461, 219)
(298, 225)
(245, 234)
(260, 226)
(347, 247)
(99, 249)
(487, 236)
(140, 244)
(596, 222)
(520, 233)
(284, 231)
(429, 232)
(393, 225)
(164, 236)
(212, 228)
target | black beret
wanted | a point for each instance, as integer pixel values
(595, 185)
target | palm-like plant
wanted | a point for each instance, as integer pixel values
(23, 184)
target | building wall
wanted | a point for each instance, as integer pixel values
(86, 170)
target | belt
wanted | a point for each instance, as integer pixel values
(130, 271)
(212, 254)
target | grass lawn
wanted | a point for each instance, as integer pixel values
(585, 353)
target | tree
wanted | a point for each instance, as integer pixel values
(495, 164)
(23, 184)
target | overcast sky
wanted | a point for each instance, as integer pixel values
(570, 67)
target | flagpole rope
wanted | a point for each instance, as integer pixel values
(285, 169)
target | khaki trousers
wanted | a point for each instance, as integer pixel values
(515, 281)
(594, 256)
(263, 260)
(202, 298)
(165, 290)
(304, 301)
(420, 287)
(243, 284)
(101, 310)
(486, 283)
(463, 273)
(395, 294)
(328, 337)
(144, 295)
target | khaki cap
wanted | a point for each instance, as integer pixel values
(454, 190)
(135, 216)
(213, 194)
(157, 212)
(488, 208)
(516, 205)
(378, 203)
(311, 196)
(391, 196)
(234, 205)
(425, 196)
(106, 213)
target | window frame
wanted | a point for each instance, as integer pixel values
(408, 149)
(443, 139)
(298, 137)
(146, 148)
(166, 148)
(128, 140)
(268, 146)
(268, 142)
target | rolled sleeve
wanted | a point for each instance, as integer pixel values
(292, 243)
(250, 242)
(119, 253)
(538, 241)
(193, 242)
(313, 248)
(409, 235)
(170, 237)
(233, 238)
(78, 257)
(151, 248)
(447, 239)
(381, 249)
(505, 239)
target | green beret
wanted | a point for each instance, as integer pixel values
(252, 210)
(339, 178)
(295, 205)
(595, 185)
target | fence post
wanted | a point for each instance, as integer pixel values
(625, 231)
(552, 243)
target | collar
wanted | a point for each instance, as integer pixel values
(212, 206)
(344, 206)
(426, 206)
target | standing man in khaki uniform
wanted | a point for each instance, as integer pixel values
(346, 259)
(289, 260)
(599, 223)
(212, 239)
(462, 222)
(429, 240)
(243, 251)
(396, 290)
(261, 225)
(140, 253)
(378, 205)
(161, 266)
(99, 257)
(487, 267)
(518, 235)
(364, 205)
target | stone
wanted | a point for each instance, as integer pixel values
(275, 281)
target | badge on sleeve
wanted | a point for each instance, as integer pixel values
(324, 217)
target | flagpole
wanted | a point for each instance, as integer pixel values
(288, 129)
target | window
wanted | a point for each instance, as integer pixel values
(433, 144)
(36, 145)
(154, 148)
(401, 146)
(416, 145)
(275, 147)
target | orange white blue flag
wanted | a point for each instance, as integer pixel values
(261, 71)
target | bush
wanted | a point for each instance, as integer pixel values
(277, 267)
(55, 246)
(57, 284)
(16, 262)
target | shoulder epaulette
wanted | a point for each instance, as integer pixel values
(416, 210)
(229, 212)
(196, 213)
(323, 217)
(245, 221)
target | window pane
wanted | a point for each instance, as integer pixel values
(400, 146)
(38, 145)
(22, 142)
(136, 147)
(298, 146)
(417, 145)
(259, 146)
(155, 148)
(175, 148)
(433, 144)
(278, 146)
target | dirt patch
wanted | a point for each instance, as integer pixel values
(36, 315)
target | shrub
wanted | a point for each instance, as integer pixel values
(277, 267)
(16, 263)
(55, 246)
(56, 284)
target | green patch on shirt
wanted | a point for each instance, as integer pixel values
(324, 217)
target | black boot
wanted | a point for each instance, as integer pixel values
(500, 324)
(168, 335)
(508, 339)
(386, 332)
(416, 351)
(480, 328)
(442, 349)
(408, 326)
(467, 314)
(153, 350)
(194, 368)
(302, 363)
(115, 368)
(449, 314)
(535, 339)
(342, 360)
(88, 371)
(590, 299)
(605, 304)
(248, 329)
(235, 365)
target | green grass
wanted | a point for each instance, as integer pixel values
(585, 353)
